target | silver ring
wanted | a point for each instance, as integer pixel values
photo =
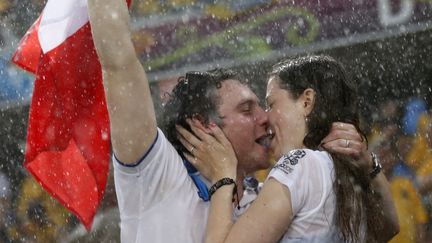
(192, 149)
(347, 143)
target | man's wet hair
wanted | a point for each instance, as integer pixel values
(195, 96)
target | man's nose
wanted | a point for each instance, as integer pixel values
(261, 117)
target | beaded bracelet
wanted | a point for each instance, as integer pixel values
(223, 182)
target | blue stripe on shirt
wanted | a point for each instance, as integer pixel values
(142, 158)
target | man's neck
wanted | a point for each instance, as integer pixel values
(240, 188)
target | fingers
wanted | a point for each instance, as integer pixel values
(197, 163)
(202, 135)
(190, 147)
(345, 146)
(194, 152)
(192, 159)
(198, 142)
(341, 130)
(344, 139)
(187, 139)
(219, 134)
(343, 126)
(350, 151)
(343, 143)
(204, 151)
(355, 150)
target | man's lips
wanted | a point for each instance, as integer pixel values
(265, 140)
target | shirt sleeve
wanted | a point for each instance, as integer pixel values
(291, 170)
(153, 179)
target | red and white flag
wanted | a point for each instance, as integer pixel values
(67, 148)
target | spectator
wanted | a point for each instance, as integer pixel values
(42, 219)
(420, 156)
(6, 217)
(386, 122)
(4, 5)
(411, 212)
(413, 110)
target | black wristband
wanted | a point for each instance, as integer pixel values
(376, 166)
(223, 182)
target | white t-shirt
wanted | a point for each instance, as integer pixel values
(309, 175)
(158, 201)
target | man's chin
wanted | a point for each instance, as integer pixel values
(264, 163)
(265, 166)
(258, 165)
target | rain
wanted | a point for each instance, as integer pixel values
(384, 45)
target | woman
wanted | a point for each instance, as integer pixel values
(309, 195)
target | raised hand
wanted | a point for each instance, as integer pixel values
(345, 139)
(209, 151)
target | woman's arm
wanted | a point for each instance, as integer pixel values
(220, 221)
(269, 216)
(266, 220)
(214, 157)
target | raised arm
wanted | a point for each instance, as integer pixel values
(130, 107)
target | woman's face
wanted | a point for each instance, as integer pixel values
(286, 118)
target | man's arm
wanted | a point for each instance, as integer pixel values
(130, 107)
(390, 221)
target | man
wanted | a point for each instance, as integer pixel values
(158, 200)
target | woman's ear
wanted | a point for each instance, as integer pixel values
(308, 99)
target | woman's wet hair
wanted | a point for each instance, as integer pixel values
(335, 101)
(195, 96)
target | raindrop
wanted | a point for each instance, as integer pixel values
(105, 136)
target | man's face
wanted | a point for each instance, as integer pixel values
(244, 124)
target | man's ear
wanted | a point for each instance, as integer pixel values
(308, 100)
(198, 121)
